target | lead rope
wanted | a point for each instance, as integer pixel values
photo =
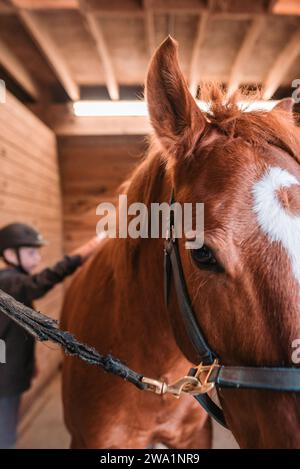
(43, 328)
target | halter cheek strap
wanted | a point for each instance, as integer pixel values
(283, 379)
(173, 269)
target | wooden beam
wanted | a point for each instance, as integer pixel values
(161, 6)
(215, 6)
(281, 65)
(16, 69)
(46, 4)
(96, 32)
(149, 26)
(61, 119)
(5, 8)
(245, 6)
(51, 51)
(286, 7)
(228, 8)
(244, 52)
(200, 36)
(103, 126)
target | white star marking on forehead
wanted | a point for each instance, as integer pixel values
(279, 225)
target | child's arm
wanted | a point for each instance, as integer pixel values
(36, 286)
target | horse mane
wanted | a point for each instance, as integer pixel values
(259, 128)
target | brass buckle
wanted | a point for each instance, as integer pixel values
(206, 386)
(185, 385)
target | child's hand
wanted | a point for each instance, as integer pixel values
(87, 249)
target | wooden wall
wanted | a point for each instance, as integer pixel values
(30, 193)
(92, 168)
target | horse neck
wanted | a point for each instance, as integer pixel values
(142, 259)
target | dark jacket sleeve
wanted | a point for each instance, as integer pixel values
(26, 288)
(36, 286)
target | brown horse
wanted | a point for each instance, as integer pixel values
(244, 166)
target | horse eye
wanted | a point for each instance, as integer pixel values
(205, 259)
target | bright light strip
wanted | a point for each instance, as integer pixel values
(139, 108)
(257, 105)
(110, 108)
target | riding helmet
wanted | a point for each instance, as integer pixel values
(16, 235)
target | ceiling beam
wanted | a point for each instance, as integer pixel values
(281, 65)
(16, 69)
(244, 53)
(149, 26)
(135, 7)
(5, 8)
(88, 126)
(162, 6)
(96, 32)
(194, 67)
(61, 119)
(51, 52)
(286, 7)
(245, 6)
(46, 4)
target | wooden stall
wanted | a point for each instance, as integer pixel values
(92, 169)
(30, 193)
(55, 167)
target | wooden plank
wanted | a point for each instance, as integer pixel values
(15, 158)
(39, 217)
(17, 70)
(92, 170)
(5, 8)
(104, 126)
(23, 124)
(96, 32)
(244, 53)
(281, 65)
(286, 7)
(63, 123)
(51, 52)
(46, 4)
(37, 193)
(149, 26)
(200, 36)
(25, 145)
(134, 8)
(16, 205)
(21, 147)
(32, 122)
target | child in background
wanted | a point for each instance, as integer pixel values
(20, 249)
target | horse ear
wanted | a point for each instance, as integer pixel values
(174, 114)
(285, 104)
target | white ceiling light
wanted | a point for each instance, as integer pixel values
(139, 108)
(110, 108)
(257, 105)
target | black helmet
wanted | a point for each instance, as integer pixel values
(18, 235)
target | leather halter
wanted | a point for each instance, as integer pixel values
(284, 379)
